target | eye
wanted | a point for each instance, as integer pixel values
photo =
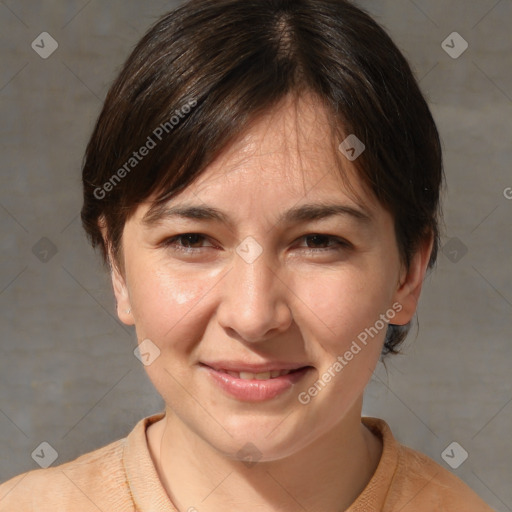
(319, 242)
(314, 243)
(188, 242)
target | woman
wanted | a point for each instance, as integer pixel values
(263, 181)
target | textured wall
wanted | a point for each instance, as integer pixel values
(68, 375)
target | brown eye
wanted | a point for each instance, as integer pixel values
(315, 241)
(190, 239)
(186, 242)
(324, 242)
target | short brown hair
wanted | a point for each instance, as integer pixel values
(207, 69)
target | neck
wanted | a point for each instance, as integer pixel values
(327, 475)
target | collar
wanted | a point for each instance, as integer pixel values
(149, 495)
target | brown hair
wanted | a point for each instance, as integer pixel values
(207, 69)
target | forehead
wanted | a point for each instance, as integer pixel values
(290, 151)
(285, 158)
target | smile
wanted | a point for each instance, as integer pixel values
(256, 387)
(258, 376)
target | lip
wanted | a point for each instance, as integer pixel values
(255, 390)
(241, 366)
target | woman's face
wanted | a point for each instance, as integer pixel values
(280, 268)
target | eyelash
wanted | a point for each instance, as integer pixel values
(339, 243)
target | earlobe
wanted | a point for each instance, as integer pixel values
(411, 282)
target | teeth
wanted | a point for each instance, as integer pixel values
(258, 376)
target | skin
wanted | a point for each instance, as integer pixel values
(302, 300)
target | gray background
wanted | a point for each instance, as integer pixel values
(68, 375)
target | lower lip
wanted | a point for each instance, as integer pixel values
(254, 390)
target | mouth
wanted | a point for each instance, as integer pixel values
(255, 386)
(273, 374)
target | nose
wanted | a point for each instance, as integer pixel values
(254, 305)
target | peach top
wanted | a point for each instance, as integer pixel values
(121, 477)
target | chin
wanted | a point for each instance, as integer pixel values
(265, 438)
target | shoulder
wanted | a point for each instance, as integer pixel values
(422, 484)
(416, 483)
(93, 481)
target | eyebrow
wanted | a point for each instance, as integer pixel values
(297, 214)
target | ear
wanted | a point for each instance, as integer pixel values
(411, 282)
(118, 281)
(124, 308)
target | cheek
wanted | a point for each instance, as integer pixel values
(337, 307)
(341, 318)
(165, 300)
